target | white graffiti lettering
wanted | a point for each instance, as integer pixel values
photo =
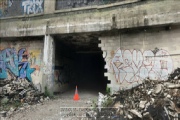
(132, 66)
(33, 6)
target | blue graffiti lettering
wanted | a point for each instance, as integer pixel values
(17, 64)
(32, 6)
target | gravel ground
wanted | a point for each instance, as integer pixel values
(62, 106)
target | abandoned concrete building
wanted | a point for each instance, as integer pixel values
(89, 43)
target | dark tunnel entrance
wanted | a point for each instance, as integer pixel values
(90, 71)
(79, 61)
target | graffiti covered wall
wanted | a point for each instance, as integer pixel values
(67, 4)
(134, 57)
(5, 6)
(22, 7)
(21, 60)
(136, 65)
(32, 6)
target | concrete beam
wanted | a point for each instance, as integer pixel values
(138, 14)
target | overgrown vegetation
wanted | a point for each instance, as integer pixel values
(107, 102)
(7, 106)
(47, 93)
(108, 90)
(94, 105)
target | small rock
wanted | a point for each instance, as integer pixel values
(41, 100)
(3, 113)
(121, 112)
(22, 108)
(88, 102)
(47, 99)
(149, 92)
(89, 114)
(25, 104)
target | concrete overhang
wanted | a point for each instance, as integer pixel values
(135, 14)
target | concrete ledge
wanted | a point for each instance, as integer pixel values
(22, 16)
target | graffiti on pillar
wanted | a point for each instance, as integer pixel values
(132, 66)
(4, 5)
(32, 6)
(16, 63)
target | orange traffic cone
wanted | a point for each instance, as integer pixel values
(76, 96)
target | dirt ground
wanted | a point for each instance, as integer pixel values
(63, 107)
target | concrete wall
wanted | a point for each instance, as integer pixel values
(134, 56)
(32, 59)
(64, 72)
(22, 59)
(101, 18)
(10, 8)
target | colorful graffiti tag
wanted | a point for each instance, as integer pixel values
(33, 6)
(16, 63)
(4, 5)
(135, 65)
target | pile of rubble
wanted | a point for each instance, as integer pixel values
(14, 93)
(152, 100)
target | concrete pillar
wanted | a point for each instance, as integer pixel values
(48, 60)
(49, 6)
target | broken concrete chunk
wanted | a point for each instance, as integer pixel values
(129, 116)
(147, 116)
(173, 86)
(100, 100)
(1, 90)
(135, 112)
(158, 88)
(117, 104)
(23, 92)
(142, 104)
(168, 96)
(121, 106)
(150, 98)
(149, 92)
